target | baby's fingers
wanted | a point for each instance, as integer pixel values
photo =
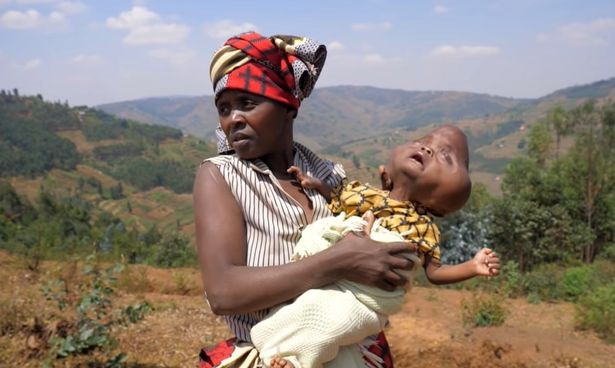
(369, 218)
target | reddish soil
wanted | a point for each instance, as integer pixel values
(428, 332)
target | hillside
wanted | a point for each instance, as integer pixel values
(141, 173)
(358, 125)
(331, 115)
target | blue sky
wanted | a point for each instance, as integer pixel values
(91, 52)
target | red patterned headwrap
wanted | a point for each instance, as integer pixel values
(282, 68)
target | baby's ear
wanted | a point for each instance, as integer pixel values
(385, 179)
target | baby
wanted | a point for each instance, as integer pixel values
(429, 175)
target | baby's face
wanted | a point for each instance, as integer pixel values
(435, 168)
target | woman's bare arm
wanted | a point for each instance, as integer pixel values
(232, 287)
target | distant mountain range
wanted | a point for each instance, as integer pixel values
(347, 121)
(340, 114)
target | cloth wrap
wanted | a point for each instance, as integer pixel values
(281, 68)
(323, 327)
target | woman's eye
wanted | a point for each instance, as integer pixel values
(249, 103)
(223, 110)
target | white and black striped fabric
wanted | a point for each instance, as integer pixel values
(274, 220)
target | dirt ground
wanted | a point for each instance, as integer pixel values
(428, 332)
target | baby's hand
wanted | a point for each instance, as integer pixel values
(487, 263)
(305, 181)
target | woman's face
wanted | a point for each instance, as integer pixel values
(255, 126)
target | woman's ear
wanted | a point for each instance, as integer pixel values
(385, 179)
(291, 113)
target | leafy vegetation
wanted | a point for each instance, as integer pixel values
(57, 226)
(484, 310)
(556, 216)
(92, 316)
(31, 145)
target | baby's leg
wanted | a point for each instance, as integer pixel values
(313, 328)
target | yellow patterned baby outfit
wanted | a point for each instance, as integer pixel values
(355, 199)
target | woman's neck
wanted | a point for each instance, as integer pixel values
(280, 162)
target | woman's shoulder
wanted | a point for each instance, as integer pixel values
(220, 160)
(226, 161)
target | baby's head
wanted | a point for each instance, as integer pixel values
(432, 171)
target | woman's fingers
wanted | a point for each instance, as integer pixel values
(395, 279)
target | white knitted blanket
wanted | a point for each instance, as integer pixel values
(323, 327)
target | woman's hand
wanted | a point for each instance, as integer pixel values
(369, 262)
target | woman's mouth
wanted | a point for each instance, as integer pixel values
(238, 137)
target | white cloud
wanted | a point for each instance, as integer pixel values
(85, 59)
(146, 27)
(31, 18)
(465, 51)
(441, 9)
(71, 7)
(136, 17)
(334, 45)
(543, 37)
(382, 26)
(176, 57)
(587, 33)
(225, 28)
(595, 33)
(57, 17)
(169, 33)
(28, 65)
(37, 1)
(21, 20)
(378, 59)
(374, 59)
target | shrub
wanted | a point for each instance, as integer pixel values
(92, 315)
(484, 310)
(511, 279)
(608, 252)
(576, 282)
(543, 281)
(596, 311)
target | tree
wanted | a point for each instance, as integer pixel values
(590, 168)
(540, 143)
(560, 120)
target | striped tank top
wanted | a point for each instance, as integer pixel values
(273, 219)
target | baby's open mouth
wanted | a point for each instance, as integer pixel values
(417, 157)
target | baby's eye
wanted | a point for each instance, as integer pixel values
(446, 155)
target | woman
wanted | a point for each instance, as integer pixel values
(249, 211)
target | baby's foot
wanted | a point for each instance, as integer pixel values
(278, 362)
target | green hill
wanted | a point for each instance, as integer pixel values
(139, 173)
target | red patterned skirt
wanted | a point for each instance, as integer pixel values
(211, 357)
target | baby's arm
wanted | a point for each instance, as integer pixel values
(309, 182)
(485, 263)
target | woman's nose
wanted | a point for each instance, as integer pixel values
(236, 115)
(427, 150)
